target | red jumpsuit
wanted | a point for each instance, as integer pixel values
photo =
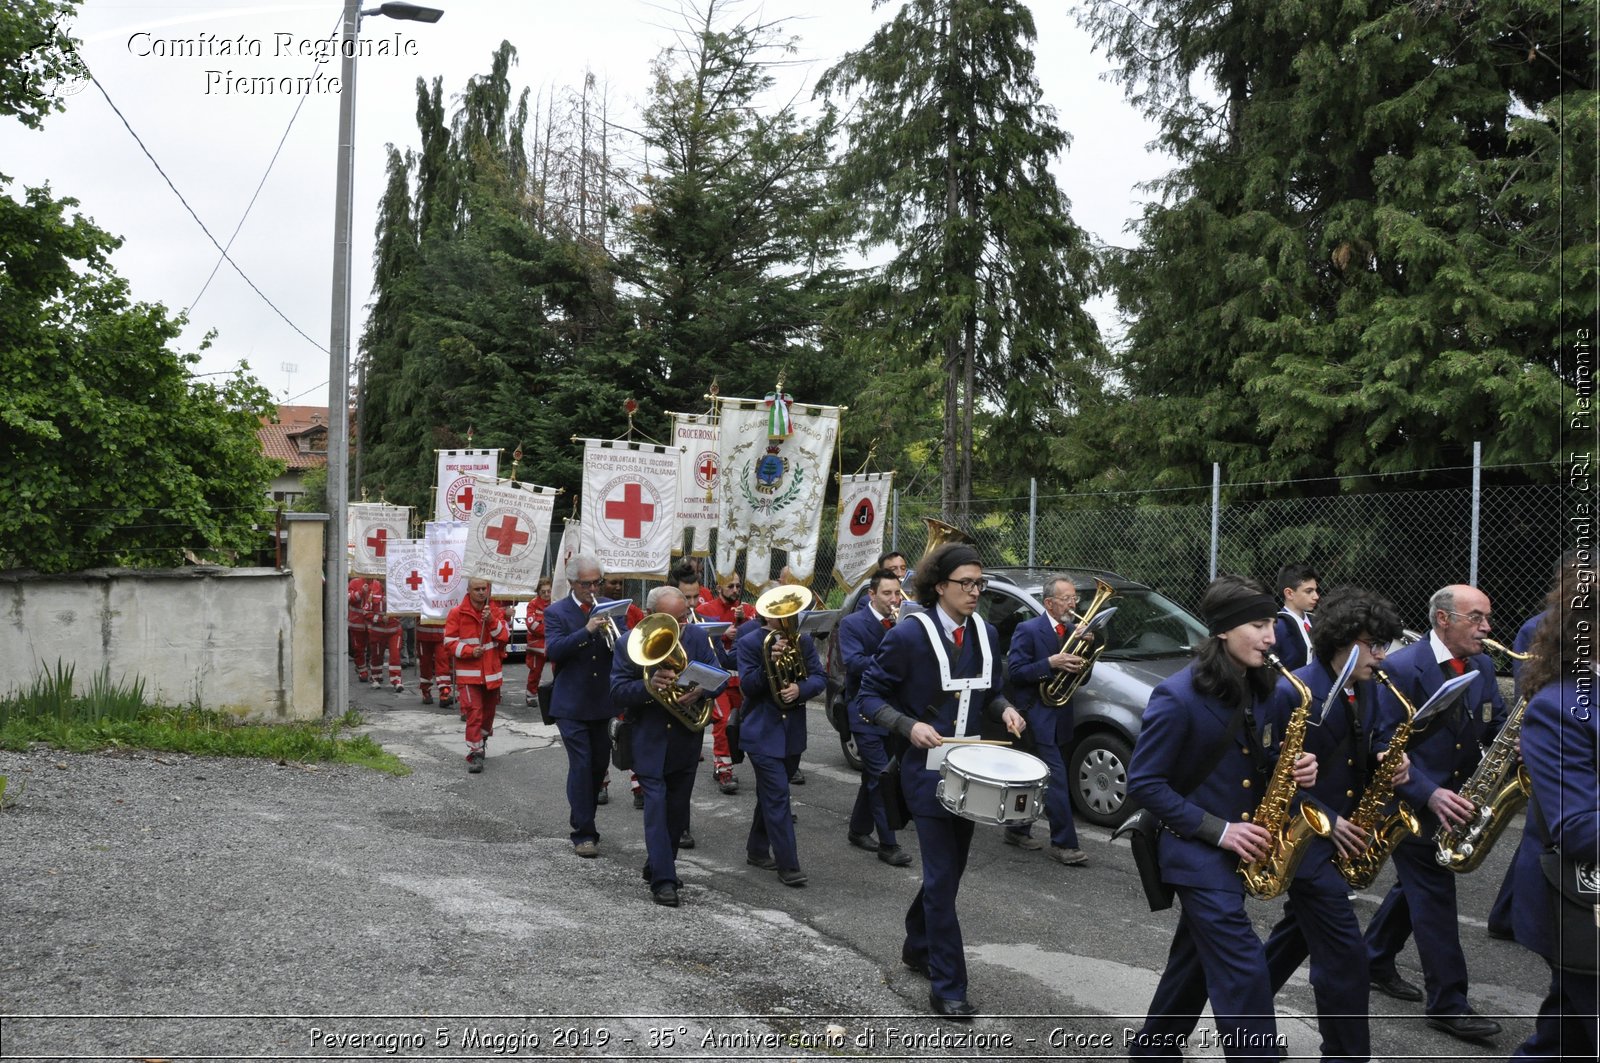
(477, 642)
(383, 637)
(534, 655)
(360, 605)
(735, 614)
(431, 661)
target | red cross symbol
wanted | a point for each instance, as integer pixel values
(464, 499)
(507, 536)
(708, 470)
(633, 511)
(445, 572)
(376, 541)
(415, 579)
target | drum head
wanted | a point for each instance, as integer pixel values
(997, 763)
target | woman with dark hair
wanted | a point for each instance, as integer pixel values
(934, 677)
(1559, 742)
(1199, 767)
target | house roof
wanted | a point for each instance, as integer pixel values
(279, 441)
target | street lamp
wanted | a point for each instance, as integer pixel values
(335, 630)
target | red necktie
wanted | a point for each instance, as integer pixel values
(1307, 625)
(1061, 631)
(957, 635)
(887, 623)
(587, 607)
(1457, 665)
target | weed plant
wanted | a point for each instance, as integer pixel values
(114, 714)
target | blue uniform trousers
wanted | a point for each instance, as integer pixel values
(1057, 795)
(1565, 1028)
(1500, 912)
(1214, 953)
(932, 929)
(588, 745)
(1320, 922)
(868, 812)
(1423, 900)
(667, 791)
(772, 829)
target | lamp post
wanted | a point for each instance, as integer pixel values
(336, 576)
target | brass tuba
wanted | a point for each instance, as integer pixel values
(653, 643)
(1059, 688)
(942, 534)
(1271, 875)
(784, 604)
(1498, 790)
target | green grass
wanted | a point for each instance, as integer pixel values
(118, 715)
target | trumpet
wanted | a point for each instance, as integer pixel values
(653, 644)
(1059, 688)
(784, 604)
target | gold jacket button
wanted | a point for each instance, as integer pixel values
(1351, 762)
(1349, 793)
(1245, 783)
(1458, 745)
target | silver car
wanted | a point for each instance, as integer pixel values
(1149, 638)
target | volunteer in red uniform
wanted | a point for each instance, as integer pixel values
(534, 655)
(360, 602)
(431, 661)
(476, 636)
(727, 608)
(383, 640)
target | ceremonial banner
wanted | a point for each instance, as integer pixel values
(772, 485)
(447, 586)
(571, 544)
(509, 532)
(698, 508)
(372, 527)
(630, 506)
(455, 483)
(407, 579)
(863, 503)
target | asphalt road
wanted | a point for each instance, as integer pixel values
(233, 909)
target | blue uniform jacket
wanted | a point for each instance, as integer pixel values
(859, 636)
(1560, 745)
(765, 728)
(1032, 644)
(1521, 643)
(901, 687)
(581, 661)
(1181, 724)
(1291, 641)
(654, 727)
(1448, 747)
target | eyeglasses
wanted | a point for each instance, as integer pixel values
(1474, 616)
(587, 582)
(1070, 599)
(1374, 647)
(971, 586)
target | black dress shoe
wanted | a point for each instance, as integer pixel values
(798, 778)
(602, 798)
(686, 840)
(792, 876)
(666, 896)
(916, 964)
(1397, 987)
(862, 841)
(959, 1010)
(1502, 933)
(765, 863)
(1467, 1026)
(894, 856)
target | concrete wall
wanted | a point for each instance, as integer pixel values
(246, 641)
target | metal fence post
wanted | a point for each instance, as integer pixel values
(1477, 505)
(1033, 515)
(894, 521)
(1216, 509)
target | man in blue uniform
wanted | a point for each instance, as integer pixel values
(859, 635)
(1298, 585)
(1443, 753)
(1036, 658)
(578, 645)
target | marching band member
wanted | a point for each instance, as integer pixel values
(615, 589)
(1298, 585)
(1211, 716)
(934, 677)
(859, 636)
(666, 753)
(476, 635)
(581, 699)
(1443, 753)
(1561, 752)
(1036, 658)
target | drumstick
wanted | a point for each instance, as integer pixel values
(977, 741)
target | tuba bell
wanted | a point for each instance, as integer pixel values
(653, 643)
(784, 604)
(942, 534)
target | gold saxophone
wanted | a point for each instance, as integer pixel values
(1498, 790)
(1385, 831)
(1270, 876)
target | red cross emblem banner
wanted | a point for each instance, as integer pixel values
(446, 585)
(509, 534)
(698, 507)
(373, 526)
(630, 506)
(772, 486)
(406, 583)
(456, 483)
(863, 503)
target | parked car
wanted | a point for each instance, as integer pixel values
(517, 620)
(1149, 638)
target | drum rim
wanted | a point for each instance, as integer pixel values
(963, 752)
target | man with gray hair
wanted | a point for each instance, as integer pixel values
(578, 647)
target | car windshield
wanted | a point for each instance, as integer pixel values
(1148, 625)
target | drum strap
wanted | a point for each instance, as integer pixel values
(964, 687)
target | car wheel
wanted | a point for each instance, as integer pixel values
(1099, 778)
(852, 756)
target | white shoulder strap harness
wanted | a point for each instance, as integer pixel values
(965, 686)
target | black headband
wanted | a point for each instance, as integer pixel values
(1242, 609)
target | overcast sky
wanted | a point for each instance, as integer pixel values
(216, 145)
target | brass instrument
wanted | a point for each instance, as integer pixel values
(1385, 831)
(1059, 688)
(942, 534)
(653, 643)
(784, 604)
(1270, 876)
(1498, 789)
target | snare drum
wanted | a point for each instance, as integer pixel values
(992, 784)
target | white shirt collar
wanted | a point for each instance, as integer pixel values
(947, 623)
(1440, 654)
(873, 609)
